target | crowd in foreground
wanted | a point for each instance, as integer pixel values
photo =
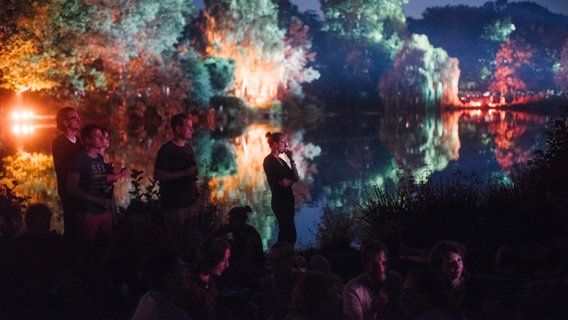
(228, 275)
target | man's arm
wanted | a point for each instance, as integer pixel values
(74, 190)
(163, 175)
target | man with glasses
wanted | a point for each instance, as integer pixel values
(64, 148)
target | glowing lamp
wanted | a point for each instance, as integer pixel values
(22, 122)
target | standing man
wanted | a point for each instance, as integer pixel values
(88, 182)
(65, 147)
(176, 170)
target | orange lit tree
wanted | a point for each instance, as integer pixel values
(509, 60)
(247, 31)
(38, 50)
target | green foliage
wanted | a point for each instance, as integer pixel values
(421, 72)
(221, 72)
(419, 212)
(142, 191)
(144, 198)
(122, 30)
(199, 79)
(499, 31)
(11, 210)
(372, 21)
(24, 67)
(334, 231)
(248, 23)
(237, 114)
(215, 158)
(528, 208)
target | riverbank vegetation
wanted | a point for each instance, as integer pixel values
(526, 210)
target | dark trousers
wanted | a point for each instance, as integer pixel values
(69, 221)
(286, 225)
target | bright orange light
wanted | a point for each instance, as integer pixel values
(22, 115)
(23, 129)
(22, 122)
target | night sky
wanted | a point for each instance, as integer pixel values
(414, 8)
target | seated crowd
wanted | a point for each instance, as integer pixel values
(228, 275)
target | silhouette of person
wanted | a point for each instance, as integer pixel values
(35, 266)
(275, 295)
(247, 254)
(64, 148)
(280, 178)
(166, 274)
(176, 170)
(424, 297)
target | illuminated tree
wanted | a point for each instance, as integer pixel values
(509, 60)
(37, 53)
(221, 72)
(24, 67)
(297, 55)
(561, 76)
(247, 32)
(422, 74)
(12, 9)
(499, 31)
(374, 21)
(125, 29)
(129, 36)
(195, 71)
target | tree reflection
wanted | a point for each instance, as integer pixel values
(351, 161)
(421, 142)
(35, 174)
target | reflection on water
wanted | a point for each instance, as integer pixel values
(338, 162)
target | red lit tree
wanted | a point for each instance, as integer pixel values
(561, 76)
(512, 56)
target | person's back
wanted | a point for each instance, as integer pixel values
(166, 274)
(275, 295)
(35, 265)
(317, 293)
(247, 255)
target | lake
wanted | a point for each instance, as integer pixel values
(340, 157)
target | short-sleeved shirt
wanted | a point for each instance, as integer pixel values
(92, 180)
(180, 192)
